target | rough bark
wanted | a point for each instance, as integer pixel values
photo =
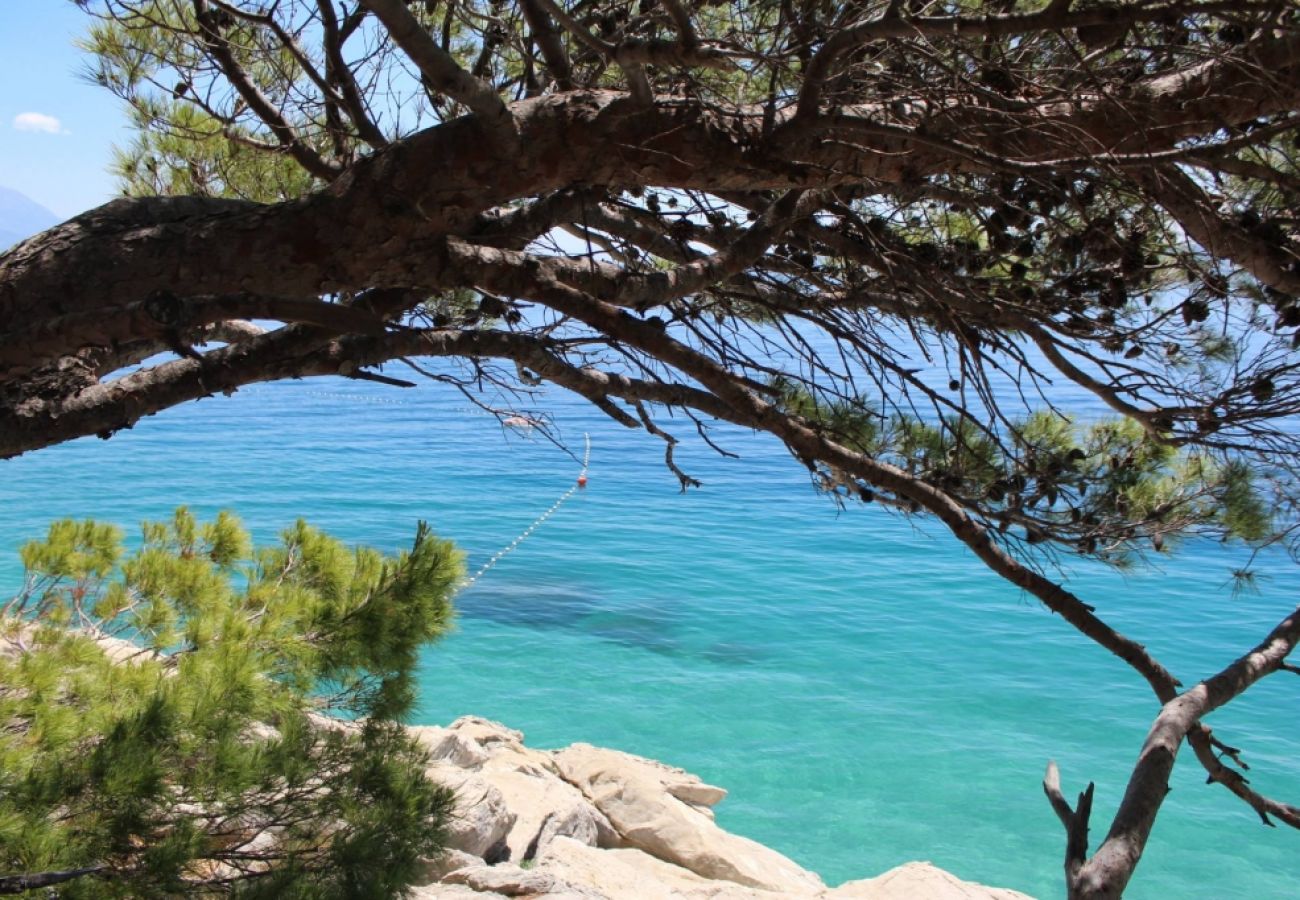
(905, 187)
(1106, 874)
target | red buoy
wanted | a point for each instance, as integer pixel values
(582, 481)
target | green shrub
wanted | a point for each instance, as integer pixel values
(161, 713)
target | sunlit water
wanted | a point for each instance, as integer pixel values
(866, 689)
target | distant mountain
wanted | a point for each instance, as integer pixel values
(21, 217)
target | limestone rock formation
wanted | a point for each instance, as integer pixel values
(482, 818)
(586, 823)
(919, 880)
(643, 799)
(635, 873)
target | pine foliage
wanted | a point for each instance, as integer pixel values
(1109, 490)
(161, 712)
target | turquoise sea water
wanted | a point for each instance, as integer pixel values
(867, 691)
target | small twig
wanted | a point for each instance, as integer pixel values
(670, 443)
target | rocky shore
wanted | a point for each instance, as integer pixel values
(586, 823)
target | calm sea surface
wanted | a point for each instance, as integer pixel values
(866, 689)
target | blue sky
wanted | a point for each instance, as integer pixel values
(56, 131)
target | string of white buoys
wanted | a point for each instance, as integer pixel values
(537, 523)
(352, 397)
(522, 422)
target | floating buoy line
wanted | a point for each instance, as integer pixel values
(353, 397)
(578, 485)
(375, 401)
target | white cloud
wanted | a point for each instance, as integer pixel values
(40, 122)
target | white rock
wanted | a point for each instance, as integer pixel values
(329, 723)
(630, 874)
(451, 892)
(485, 731)
(445, 862)
(634, 793)
(920, 881)
(697, 793)
(510, 879)
(502, 744)
(445, 745)
(580, 822)
(122, 651)
(512, 799)
(544, 806)
(481, 819)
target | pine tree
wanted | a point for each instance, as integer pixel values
(924, 217)
(197, 716)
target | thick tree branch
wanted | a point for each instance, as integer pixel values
(1107, 873)
(438, 181)
(548, 41)
(164, 315)
(440, 68)
(296, 352)
(1274, 265)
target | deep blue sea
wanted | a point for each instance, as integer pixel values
(866, 689)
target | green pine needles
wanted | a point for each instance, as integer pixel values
(162, 727)
(1108, 491)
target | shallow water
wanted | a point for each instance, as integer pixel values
(866, 689)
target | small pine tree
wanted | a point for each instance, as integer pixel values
(161, 727)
